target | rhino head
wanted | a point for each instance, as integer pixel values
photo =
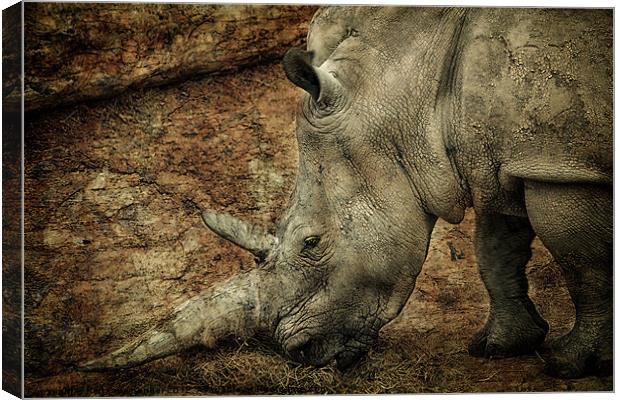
(350, 251)
(345, 254)
(346, 251)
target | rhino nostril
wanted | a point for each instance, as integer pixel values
(302, 351)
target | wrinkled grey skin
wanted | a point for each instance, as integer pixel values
(415, 114)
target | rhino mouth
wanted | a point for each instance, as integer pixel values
(319, 352)
(349, 358)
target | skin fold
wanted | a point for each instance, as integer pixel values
(415, 114)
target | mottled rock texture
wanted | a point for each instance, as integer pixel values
(12, 288)
(75, 52)
(113, 234)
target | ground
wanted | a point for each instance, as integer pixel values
(114, 241)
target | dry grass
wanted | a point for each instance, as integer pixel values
(398, 363)
(254, 368)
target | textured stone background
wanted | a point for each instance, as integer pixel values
(75, 52)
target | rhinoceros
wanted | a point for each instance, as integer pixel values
(409, 115)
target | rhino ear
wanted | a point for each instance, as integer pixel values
(250, 237)
(321, 85)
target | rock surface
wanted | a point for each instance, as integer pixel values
(114, 237)
(75, 52)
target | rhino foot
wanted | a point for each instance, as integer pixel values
(580, 353)
(509, 335)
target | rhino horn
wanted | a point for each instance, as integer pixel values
(320, 84)
(247, 236)
(231, 309)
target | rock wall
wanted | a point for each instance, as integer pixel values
(113, 190)
(75, 52)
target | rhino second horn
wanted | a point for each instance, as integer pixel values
(231, 309)
(247, 236)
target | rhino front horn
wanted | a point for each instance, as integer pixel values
(231, 309)
(320, 84)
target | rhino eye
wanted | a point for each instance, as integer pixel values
(311, 241)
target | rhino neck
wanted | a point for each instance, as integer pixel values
(407, 113)
(447, 116)
(444, 188)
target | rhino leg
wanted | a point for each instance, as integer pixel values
(513, 326)
(577, 227)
